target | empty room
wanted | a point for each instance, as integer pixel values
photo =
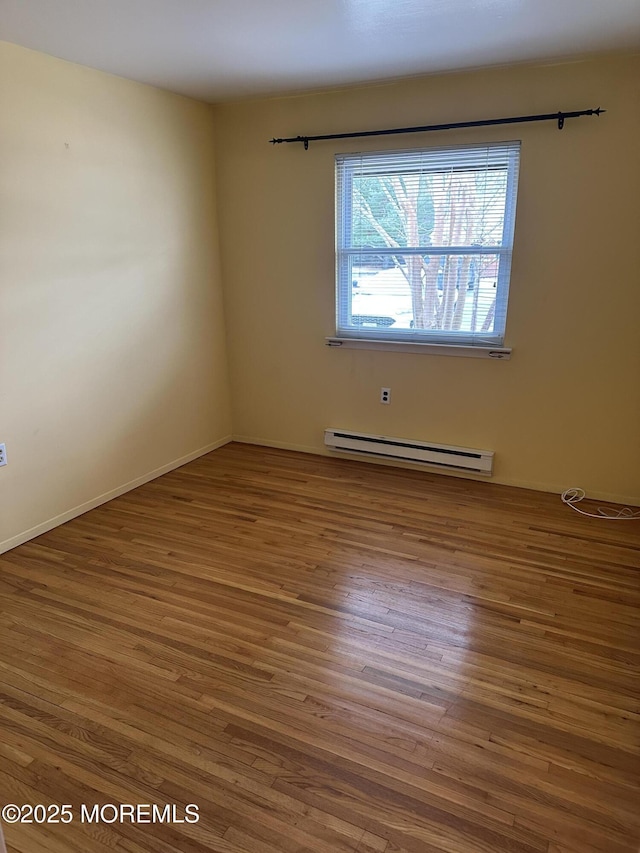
(319, 426)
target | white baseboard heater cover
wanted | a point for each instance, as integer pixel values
(408, 450)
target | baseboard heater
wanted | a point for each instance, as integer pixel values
(408, 450)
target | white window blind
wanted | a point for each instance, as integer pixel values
(424, 243)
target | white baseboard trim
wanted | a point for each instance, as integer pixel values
(39, 529)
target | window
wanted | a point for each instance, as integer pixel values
(424, 242)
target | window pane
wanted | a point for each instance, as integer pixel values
(414, 209)
(419, 294)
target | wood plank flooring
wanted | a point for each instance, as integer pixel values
(326, 656)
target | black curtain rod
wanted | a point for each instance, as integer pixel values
(559, 117)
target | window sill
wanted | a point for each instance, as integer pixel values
(503, 353)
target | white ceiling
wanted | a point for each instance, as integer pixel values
(223, 49)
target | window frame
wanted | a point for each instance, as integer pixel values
(443, 158)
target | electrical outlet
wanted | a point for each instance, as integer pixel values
(385, 395)
(3, 455)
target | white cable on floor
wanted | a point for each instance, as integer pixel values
(572, 496)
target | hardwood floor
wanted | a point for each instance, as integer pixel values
(324, 656)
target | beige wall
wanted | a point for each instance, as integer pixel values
(566, 409)
(112, 351)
